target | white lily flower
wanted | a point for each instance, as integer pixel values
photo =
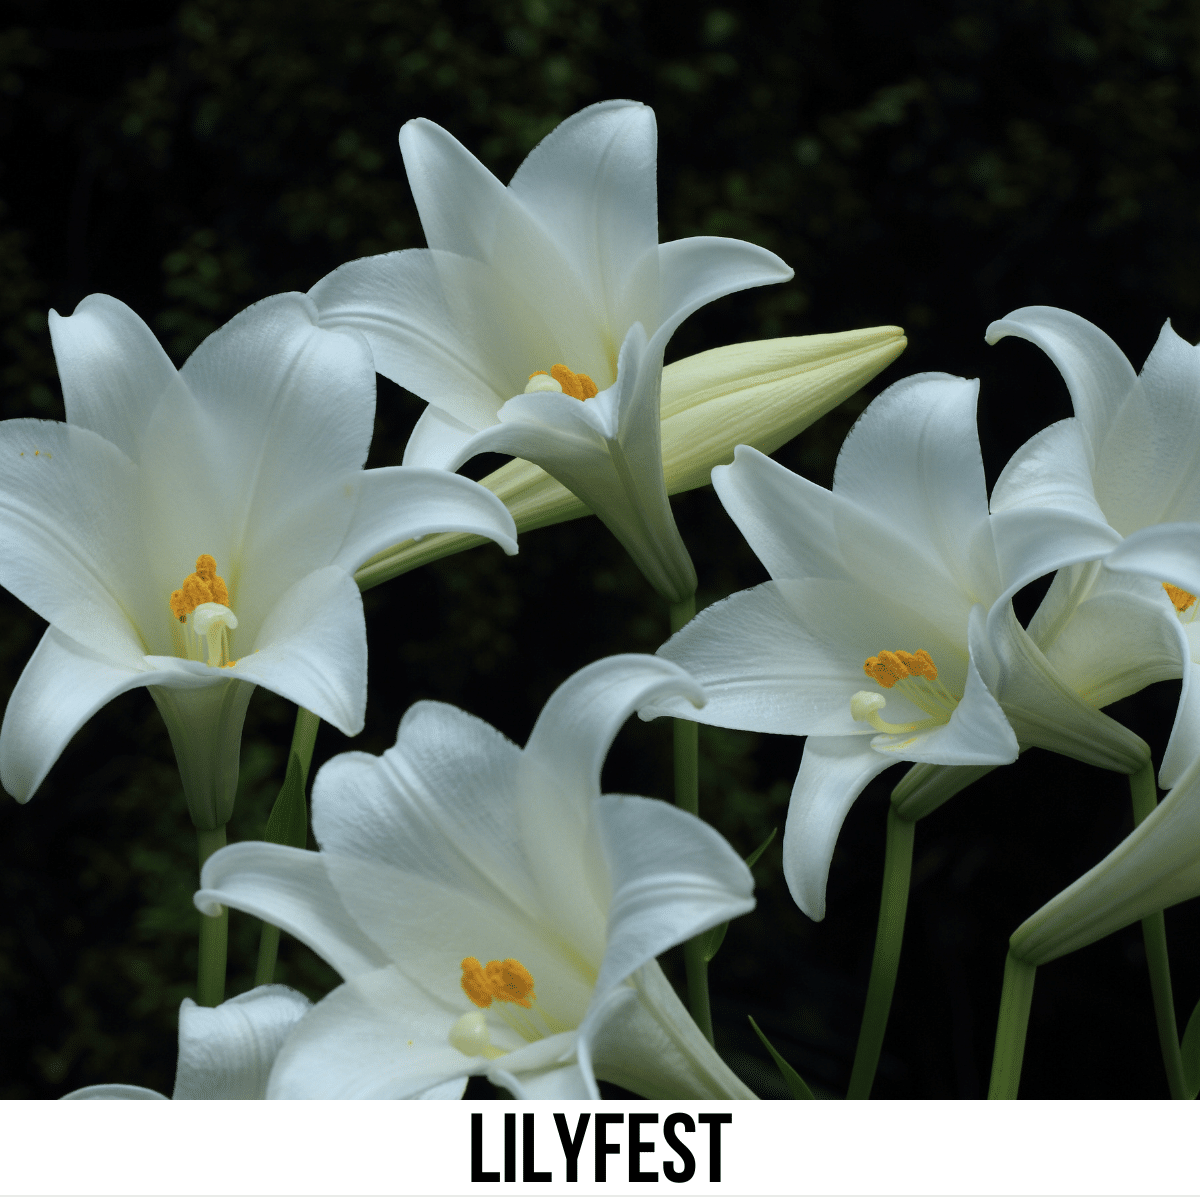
(225, 1053)
(1156, 866)
(887, 632)
(535, 323)
(492, 913)
(196, 532)
(1126, 462)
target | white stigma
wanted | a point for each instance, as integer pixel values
(213, 621)
(543, 383)
(469, 1035)
(863, 704)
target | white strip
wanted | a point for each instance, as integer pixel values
(862, 1149)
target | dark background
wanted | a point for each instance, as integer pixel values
(930, 165)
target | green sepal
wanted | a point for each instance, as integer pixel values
(710, 941)
(288, 823)
(1190, 1050)
(799, 1089)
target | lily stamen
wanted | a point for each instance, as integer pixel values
(915, 676)
(560, 378)
(1180, 599)
(201, 606)
(508, 982)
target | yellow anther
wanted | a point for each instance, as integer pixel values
(1181, 599)
(580, 386)
(204, 586)
(576, 385)
(888, 667)
(475, 983)
(510, 981)
(506, 981)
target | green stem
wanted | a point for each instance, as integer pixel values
(1144, 797)
(214, 932)
(1015, 1000)
(304, 738)
(687, 797)
(889, 936)
(268, 952)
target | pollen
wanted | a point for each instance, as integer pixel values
(889, 667)
(506, 981)
(204, 586)
(570, 383)
(1179, 598)
(475, 983)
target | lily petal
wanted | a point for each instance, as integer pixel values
(787, 519)
(289, 888)
(457, 197)
(1146, 471)
(62, 685)
(577, 726)
(429, 317)
(440, 803)
(650, 1045)
(833, 772)
(112, 370)
(1096, 373)
(114, 1091)
(1088, 608)
(1043, 709)
(312, 649)
(1168, 552)
(79, 574)
(1183, 748)
(911, 469)
(673, 876)
(590, 183)
(698, 270)
(377, 1037)
(437, 439)
(226, 1053)
(395, 503)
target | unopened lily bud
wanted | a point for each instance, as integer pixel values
(1156, 866)
(759, 394)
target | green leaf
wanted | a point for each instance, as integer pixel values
(755, 855)
(799, 1089)
(711, 940)
(288, 822)
(713, 937)
(1190, 1049)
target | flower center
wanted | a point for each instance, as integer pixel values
(503, 981)
(916, 678)
(201, 606)
(1180, 599)
(560, 378)
(509, 983)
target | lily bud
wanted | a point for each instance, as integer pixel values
(759, 394)
(1156, 866)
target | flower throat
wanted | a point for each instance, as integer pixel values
(201, 606)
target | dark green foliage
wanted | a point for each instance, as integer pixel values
(932, 165)
(796, 1086)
